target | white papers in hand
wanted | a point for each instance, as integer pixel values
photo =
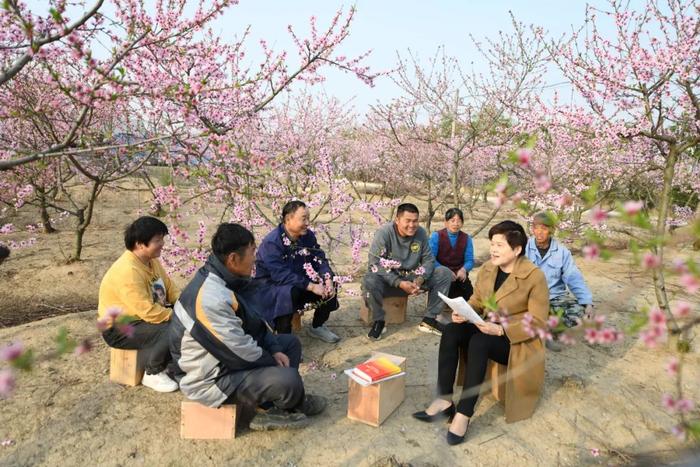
(459, 305)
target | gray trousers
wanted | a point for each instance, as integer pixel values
(374, 289)
(277, 385)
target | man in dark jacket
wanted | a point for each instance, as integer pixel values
(226, 353)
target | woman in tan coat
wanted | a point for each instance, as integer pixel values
(521, 293)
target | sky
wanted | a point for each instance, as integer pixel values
(391, 27)
(388, 27)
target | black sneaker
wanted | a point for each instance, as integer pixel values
(431, 326)
(313, 405)
(278, 419)
(377, 330)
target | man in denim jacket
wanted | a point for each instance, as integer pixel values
(561, 272)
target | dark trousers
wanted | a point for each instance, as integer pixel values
(300, 297)
(276, 385)
(149, 338)
(479, 349)
(461, 289)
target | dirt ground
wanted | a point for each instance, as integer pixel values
(66, 412)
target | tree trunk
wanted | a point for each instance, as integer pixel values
(43, 211)
(660, 233)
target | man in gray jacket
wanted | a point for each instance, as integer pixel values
(225, 353)
(400, 259)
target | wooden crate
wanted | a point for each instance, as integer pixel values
(374, 403)
(198, 421)
(394, 307)
(125, 366)
(495, 378)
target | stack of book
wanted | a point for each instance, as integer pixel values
(375, 370)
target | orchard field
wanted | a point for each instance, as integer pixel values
(117, 109)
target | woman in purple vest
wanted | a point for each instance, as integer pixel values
(454, 249)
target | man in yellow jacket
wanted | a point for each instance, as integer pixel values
(137, 286)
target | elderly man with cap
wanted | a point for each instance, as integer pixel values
(561, 272)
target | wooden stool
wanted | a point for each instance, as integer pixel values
(198, 421)
(125, 366)
(296, 322)
(495, 377)
(394, 307)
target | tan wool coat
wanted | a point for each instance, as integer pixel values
(524, 291)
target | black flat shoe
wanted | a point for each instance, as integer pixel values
(424, 417)
(453, 439)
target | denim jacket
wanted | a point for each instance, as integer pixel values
(560, 270)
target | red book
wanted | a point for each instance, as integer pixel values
(375, 370)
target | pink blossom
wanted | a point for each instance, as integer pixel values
(113, 312)
(84, 347)
(657, 317)
(690, 283)
(591, 252)
(672, 366)
(566, 339)
(11, 352)
(631, 208)
(595, 452)
(7, 383)
(374, 268)
(524, 155)
(668, 402)
(598, 216)
(103, 324)
(126, 329)
(286, 241)
(564, 201)
(679, 266)
(311, 273)
(681, 309)
(7, 442)
(542, 183)
(419, 271)
(591, 335)
(679, 432)
(553, 322)
(651, 261)
(684, 406)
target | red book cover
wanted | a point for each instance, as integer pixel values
(375, 370)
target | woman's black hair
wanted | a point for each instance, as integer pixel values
(142, 230)
(514, 233)
(291, 207)
(230, 238)
(454, 212)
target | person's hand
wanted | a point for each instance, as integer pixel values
(281, 359)
(409, 287)
(418, 283)
(491, 329)
(316, 288)
(457, 318)
(329, 289)
(588, 312)
(461, 275)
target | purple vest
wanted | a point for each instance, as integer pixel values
(448, 256)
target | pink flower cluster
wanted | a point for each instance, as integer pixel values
(389, 264)
(655, 331)
(672, 405)
(311, 273)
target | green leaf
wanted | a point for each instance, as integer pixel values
(639, 320)
(24, 361)
(56, 15)
(490, 303)
(694, 429)
(590, 195)
(64, 342)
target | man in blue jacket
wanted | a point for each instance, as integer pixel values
(225, 353)
(292, 275)
(561, 272)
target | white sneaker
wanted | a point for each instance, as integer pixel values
(322, 332)
(160, 382)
